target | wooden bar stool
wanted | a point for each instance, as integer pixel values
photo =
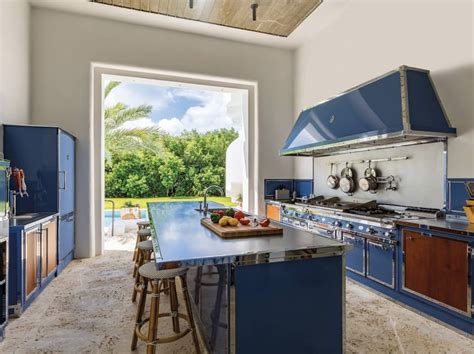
(154, 277)
(142, 235)
(144, 224)
(145, 250)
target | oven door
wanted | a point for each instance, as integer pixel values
(381, 262)
(355, 258)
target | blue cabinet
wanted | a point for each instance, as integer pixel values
(355, 258)
(33, 261)
(381, 262)
(48, 159)
(4, 259)
(371, 257)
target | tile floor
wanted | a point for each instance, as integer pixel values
(88, 309)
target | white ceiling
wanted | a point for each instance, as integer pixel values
(323, 16)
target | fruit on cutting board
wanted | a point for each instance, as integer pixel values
(215, 218)
(239, 215)
(244, 221)
(224, 221)
(264, 223)
(233, 222)
(220, 212)
(230, 212)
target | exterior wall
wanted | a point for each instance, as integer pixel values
(235, 169)
(367, 39)
(64, 46)
(14, 63)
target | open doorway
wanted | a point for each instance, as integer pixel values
(167, 141)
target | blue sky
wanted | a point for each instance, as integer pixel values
(177, 109)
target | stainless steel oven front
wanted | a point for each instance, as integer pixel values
(323, 229)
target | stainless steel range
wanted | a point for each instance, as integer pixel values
(368, 226)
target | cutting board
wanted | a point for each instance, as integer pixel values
(241, 230)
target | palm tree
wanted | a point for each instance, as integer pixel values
(118, 138)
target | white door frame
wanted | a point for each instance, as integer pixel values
(99, 70)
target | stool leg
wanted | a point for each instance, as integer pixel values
(153, 324)
(215, 317)
(138, 264)
(135, 251)
(166, 286)
(197, 285)
(189, 310)
(140, 310)
(174, 305)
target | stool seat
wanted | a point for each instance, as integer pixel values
(145, 245)
(149, 271)
(143, 223)
(144, 232)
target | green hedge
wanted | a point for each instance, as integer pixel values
(187, 164)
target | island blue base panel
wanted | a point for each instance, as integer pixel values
(290, 307)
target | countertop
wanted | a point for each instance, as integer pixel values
(179, 238)
(30, 219)
(456, 226)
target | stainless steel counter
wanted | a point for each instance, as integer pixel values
(180, 239)
(446, 225)
(30, 219)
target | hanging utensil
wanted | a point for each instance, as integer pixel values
(332, 180)
(368, 183)
(346, 183)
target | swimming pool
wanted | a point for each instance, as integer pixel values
(108, 216)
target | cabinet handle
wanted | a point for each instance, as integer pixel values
(64, 180)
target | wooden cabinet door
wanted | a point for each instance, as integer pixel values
(436, 267)
(51, 230)
(31, 261)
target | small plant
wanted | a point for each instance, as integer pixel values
(128, 204)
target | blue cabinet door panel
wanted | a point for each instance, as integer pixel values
(381, 263)
(35, 149)
(66, 237)
(66, 173)
(355, 258)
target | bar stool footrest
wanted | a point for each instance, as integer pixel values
(144, 337)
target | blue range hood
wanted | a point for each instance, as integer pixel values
(398, 108)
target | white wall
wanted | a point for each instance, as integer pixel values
(64, 45)
(419, 179)
(14, 63)
(368, 38)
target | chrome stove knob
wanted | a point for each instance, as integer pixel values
(370, 230)
(349, 226)
(336, 223)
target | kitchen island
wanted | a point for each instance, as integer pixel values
(270, 294)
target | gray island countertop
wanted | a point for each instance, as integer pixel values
(180, 239)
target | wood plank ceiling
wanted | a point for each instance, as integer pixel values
(275, 17)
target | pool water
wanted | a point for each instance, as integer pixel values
(108, 216)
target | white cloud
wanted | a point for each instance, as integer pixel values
(172, 126)
(211, 115)
(132, 95)
(216, 109)
(138, 123)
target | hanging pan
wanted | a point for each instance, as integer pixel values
(332, 180)
(346, 183)
(368, 183)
